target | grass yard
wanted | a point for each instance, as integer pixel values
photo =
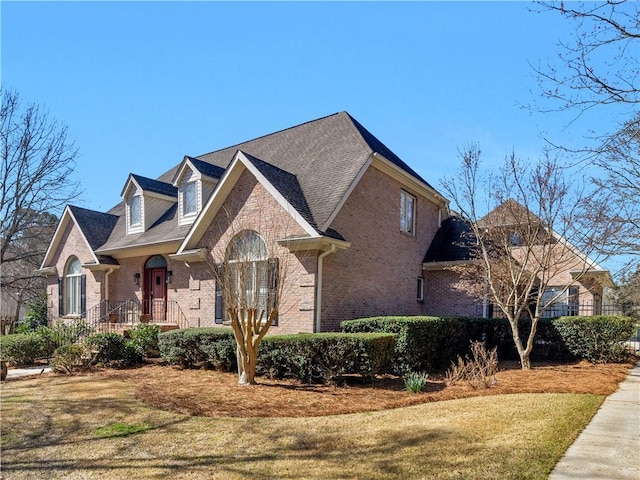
(98, 426)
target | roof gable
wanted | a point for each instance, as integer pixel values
(94, 227)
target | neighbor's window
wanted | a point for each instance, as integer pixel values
(73, 287)
(189, 201)
(134, 211)
(407, 212)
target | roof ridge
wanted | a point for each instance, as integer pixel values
(270, 134)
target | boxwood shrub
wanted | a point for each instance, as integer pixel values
(197, 347)
(596, 339)
(325, 357)
(21, 349)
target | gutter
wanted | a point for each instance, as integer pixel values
(106, 282)
(331, 250)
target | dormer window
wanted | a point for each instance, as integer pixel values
(195, 181)
(190, 199)
(135, 217)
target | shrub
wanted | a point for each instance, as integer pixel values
(70, 358)
(21, 349)
(479, 370)
(62, 334)
(325, 357)
(415, 382)
(36, 315)
(114, 350)
(596, 339)
(145, 335)
(423, 343)
(107, 348)
(197, 347)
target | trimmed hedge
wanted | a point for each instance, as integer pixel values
(325, 357)
(599, 339)
(196, 347)
(21, 349)
(423, 343)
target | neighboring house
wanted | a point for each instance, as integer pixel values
(574, 283)
(349, 219)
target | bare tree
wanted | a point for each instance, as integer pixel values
(598, 71)
(525, 237)
(36, 182)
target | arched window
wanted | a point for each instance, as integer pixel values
(250, 276)
(72, 289)
(157, 261)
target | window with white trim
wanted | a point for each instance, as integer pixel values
(407, 213)
(73, 287)
(190, 198)
(135, 211)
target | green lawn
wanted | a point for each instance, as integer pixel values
(93, 427)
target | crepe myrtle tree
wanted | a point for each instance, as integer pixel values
(250, 283)
(524, 234)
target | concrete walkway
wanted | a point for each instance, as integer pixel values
(609, 448)
(26, 371)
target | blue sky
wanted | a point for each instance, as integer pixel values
(142, 84)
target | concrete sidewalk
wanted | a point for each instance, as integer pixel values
(609, 447)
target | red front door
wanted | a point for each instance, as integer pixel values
(157, 288)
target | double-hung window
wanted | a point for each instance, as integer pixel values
(407, 213)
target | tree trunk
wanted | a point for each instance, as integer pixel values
(523, 353)
(248, 330)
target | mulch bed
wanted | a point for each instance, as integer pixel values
(217, 394)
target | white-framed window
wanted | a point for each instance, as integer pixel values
(407, 213)
(73, 287)
(135, 211)
(190, 198)
(563, 303)
(420, 289)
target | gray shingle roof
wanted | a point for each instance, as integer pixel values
(155, 186)
(287, 184)
(324, 155)
(207, 168)
(96, 226)
(312, 165)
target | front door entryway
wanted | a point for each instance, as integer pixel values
(155, 304)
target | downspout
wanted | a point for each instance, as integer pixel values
(106, 283)
(331, 250)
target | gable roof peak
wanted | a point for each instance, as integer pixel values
(150, 185)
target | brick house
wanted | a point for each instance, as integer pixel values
(349, 219)
(325, 201)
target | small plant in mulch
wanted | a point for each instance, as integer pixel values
(479, 370)
(415, 382)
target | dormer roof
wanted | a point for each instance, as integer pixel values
(150, 185)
